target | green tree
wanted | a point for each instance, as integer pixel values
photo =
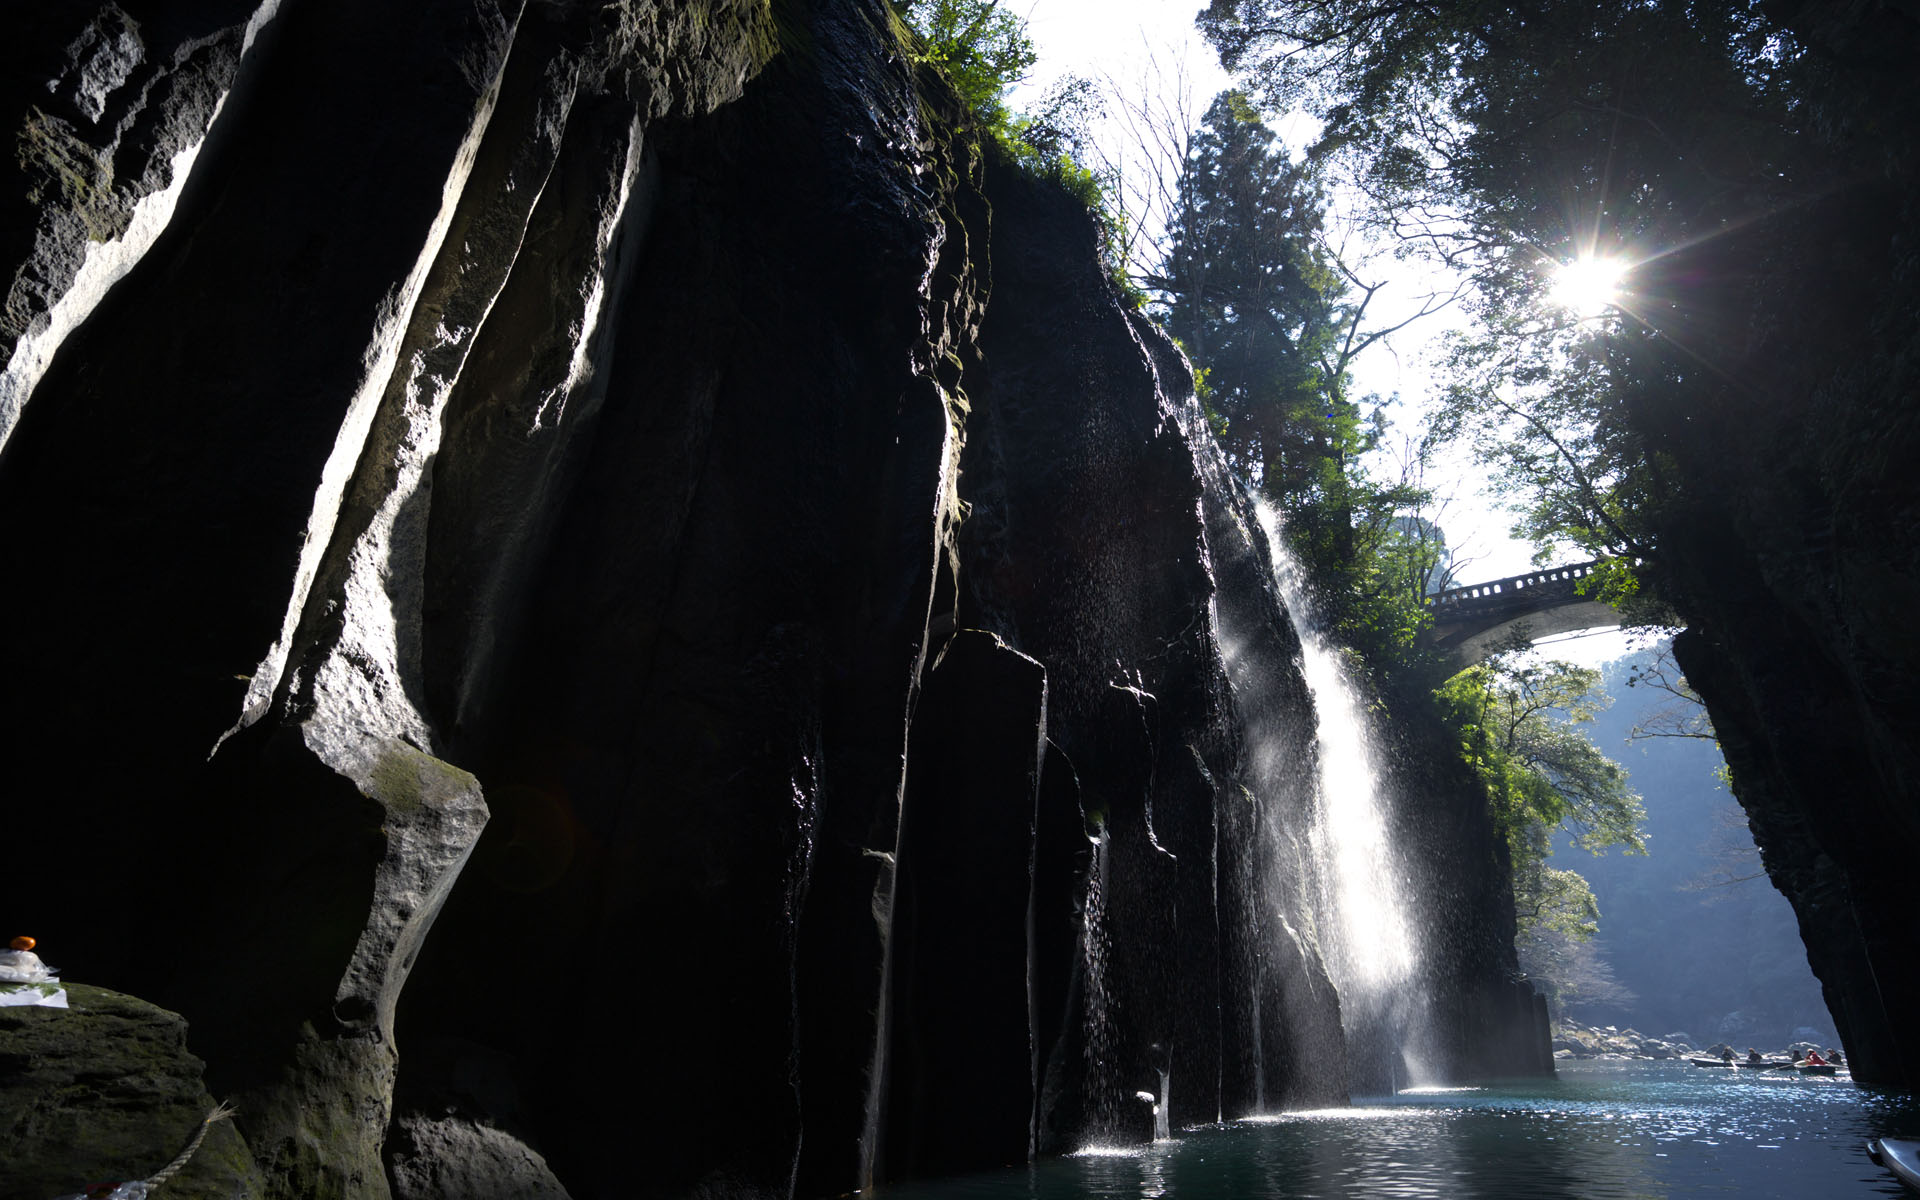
(982, 47)
(1518, 725)
(1274, 320)
(1246, 289)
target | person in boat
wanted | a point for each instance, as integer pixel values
(1753, 1055)
(1833, 1056)
(1814, 1059)
(1726, 1054)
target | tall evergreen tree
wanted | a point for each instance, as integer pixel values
(1270, 320)
(1246, 290)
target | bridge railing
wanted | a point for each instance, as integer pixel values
(1504, 589)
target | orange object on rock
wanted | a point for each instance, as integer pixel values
(23, 943)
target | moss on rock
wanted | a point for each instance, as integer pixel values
(104, 1090)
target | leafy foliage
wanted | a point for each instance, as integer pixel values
(1572, 971)
(983, 49)
(1694, 927)
(1250, 290)
(1700, 144)
(1518, 725)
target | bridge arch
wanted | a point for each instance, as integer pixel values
(1471, 621)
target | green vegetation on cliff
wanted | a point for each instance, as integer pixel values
(1518, 722)
(982, 49)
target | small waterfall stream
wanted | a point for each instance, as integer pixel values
(1373, 958)
(1103, 1080)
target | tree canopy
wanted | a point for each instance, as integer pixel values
(1518, 723)
(1732, 426)
(1247, 290)
(981, 45)
(1272, 320)
(1724, 155)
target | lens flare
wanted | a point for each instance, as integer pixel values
(1587, 286)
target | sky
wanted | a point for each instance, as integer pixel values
(1091, 37)
(1117, 39)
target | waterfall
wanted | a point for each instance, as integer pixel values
(1370, 952)
(1162, 1122)
(1103, 1086)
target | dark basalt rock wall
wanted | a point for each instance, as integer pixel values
(1791, 547)
(1811, 684)
(1483, 1017)
(652, 432)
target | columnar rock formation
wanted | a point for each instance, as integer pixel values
(652, 432)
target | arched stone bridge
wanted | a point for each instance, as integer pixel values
(1470, 621)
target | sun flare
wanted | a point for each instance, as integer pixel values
(1587, 286)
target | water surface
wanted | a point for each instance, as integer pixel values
(1602, 1131)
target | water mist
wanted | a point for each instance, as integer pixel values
(1368, 939)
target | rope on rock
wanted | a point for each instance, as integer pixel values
(221, 1112)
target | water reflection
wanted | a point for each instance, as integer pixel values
(1142, 1173)
(1602, 1132)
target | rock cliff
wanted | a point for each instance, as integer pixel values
(636, 491)
(1790, 546)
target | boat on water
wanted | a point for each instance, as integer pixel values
(1768, 1064)
(1818, 1069)
(1900, 1156)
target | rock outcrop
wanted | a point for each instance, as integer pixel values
(1571, 1039)
(659, 434)
(106, 1090)
(112, 105)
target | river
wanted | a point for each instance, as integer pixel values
(1601, 1131)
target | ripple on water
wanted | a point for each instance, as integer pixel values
(1611, 1131)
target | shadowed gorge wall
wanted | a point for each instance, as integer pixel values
(629, 523)
(1790, 549)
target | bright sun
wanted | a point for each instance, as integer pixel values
(1587, 285)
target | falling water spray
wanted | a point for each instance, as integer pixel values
(1372, 956)
(1103, 1079)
